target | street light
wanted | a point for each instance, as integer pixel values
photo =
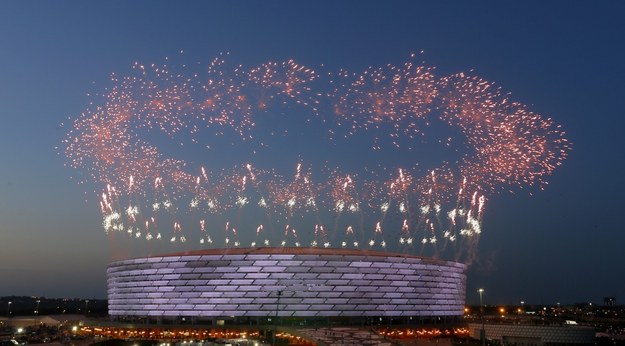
(275, 323)
(37, 311)
(86, 306)
(482, 332)
(9, 309)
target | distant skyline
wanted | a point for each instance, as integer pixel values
(564, 62)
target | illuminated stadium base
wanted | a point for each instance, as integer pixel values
(290, 282)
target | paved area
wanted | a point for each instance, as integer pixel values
(345, 336)
(426, 342)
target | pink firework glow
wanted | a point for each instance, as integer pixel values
(297, 156)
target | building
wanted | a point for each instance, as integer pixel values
(222, 284)
(48, 320)
(534, 335)
(609, 302)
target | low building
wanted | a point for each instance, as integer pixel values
(48, 320)
(534, 335)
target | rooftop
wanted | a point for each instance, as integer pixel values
(297, 251)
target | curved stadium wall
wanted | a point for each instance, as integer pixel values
(296, 282)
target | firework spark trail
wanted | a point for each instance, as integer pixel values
(499, 143)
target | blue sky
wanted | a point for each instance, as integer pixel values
(564, 61)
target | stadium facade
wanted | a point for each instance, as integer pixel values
(287, 282)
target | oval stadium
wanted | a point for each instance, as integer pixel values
(221, 284)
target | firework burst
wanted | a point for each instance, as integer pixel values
(302, 156)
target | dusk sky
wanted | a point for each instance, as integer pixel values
(563, 60)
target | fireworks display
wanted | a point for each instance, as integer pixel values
(282, 154)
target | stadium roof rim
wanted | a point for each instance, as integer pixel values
(298, 251)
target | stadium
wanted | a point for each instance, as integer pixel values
(219, 285)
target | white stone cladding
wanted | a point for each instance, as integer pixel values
(310, 282)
